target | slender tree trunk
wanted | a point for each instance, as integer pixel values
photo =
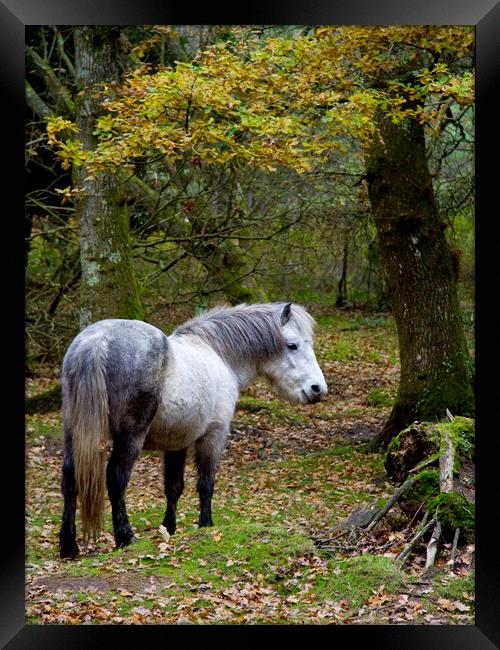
(342, 288)
(369, 277)
(421, 278)
(108, 287)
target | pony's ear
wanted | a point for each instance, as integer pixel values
(285, 314)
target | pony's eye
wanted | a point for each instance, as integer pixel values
(291, 346)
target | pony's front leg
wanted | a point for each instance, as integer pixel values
(208, 451)
(173, 468)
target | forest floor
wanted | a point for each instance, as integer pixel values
(288, 475)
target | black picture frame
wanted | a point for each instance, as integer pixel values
(485, 15)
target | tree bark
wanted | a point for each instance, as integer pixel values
(109, 287)
(421, 278)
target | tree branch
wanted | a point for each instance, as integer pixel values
(60, 92)
(62, 52)
(36, 103)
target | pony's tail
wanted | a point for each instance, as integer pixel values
(86, 409)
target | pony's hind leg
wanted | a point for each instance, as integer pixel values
(126, 449)
(208, 451)
(173, 468)
(68, 547)
(129, 434)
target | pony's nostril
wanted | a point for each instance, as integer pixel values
(315, 388)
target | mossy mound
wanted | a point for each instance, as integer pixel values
(453, 511)
(463, 434)
(422, 440)
(409, 447)
(425, 486)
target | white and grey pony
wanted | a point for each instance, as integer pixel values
(125, 381)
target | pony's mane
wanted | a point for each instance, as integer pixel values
(246, 331)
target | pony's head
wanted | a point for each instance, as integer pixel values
(295, 372)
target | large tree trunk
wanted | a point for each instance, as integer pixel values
(108, 287)
(421, 277)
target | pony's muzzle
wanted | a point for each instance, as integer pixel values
(315, 393)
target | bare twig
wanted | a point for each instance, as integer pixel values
(454, 548)
(61, 51)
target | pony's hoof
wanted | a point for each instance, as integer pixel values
(69, 552)
(170, 525)
(205, 523)
(126, 542)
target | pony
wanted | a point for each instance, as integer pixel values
(125, 382)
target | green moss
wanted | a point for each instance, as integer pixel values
(453, 393)
(380, 397)
(428, 427)
(462, 431)
(397, 521)
(453, 511)
(426, 485)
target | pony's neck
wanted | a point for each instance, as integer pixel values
(246, 372)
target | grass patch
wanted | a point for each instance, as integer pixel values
(380, 397)
(37, 426)
(224, 553)
(356, 579)
(276, 411)
(342, 350)
(454, 587)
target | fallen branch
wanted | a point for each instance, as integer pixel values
(421, 530)
(425, 463)
(445, 485)
(446, 463)
(380, 514)
(432, 545)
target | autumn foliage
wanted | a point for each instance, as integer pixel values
(286, 100)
